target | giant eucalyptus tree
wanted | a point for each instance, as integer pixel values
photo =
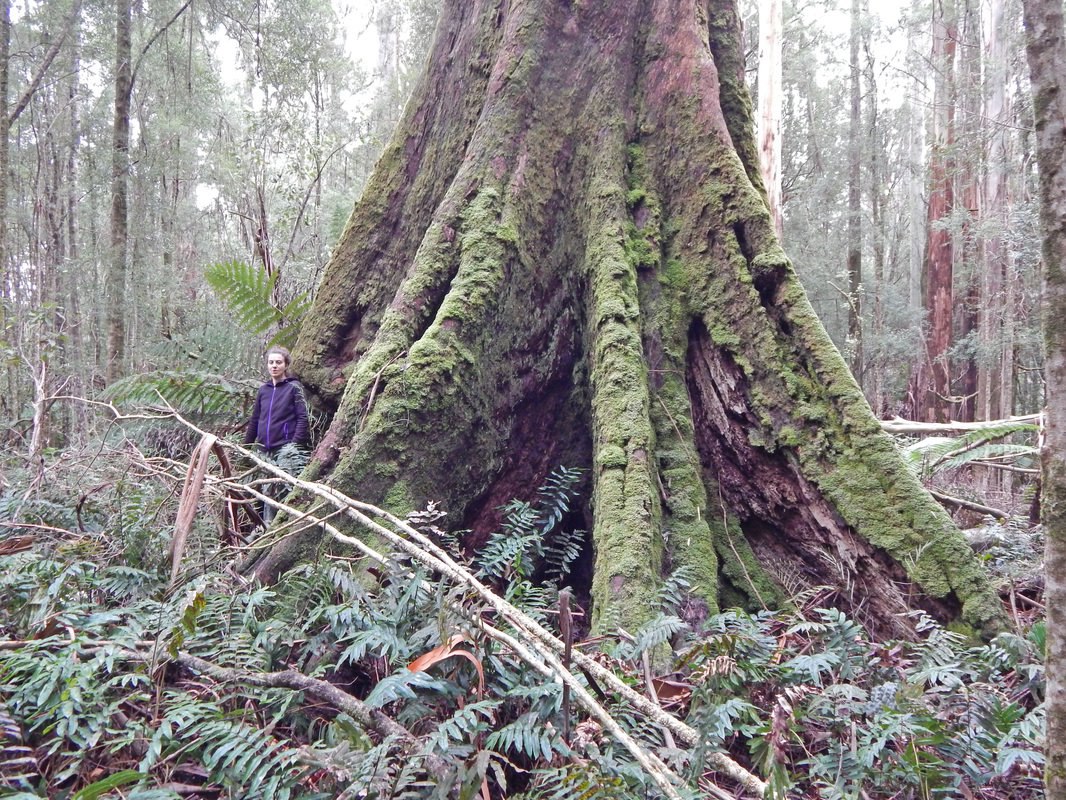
(565, 257)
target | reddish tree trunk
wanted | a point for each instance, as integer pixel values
(932, 384)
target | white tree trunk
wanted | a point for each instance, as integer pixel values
(769, 115)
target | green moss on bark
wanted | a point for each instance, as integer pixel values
(626, 531)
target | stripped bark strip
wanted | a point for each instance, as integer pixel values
(190, 499)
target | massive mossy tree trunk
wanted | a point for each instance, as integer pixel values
(565, 257)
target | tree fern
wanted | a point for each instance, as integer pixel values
(198, 395)
(249, 291)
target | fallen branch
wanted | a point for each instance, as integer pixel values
(370, 718)
(907, 426)
(969, 505)
(425, 551)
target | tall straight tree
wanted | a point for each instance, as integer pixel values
(855, 194)
(968, 167)
(995, 389)
(565, 257)
(115, 284)
(5, 137)
(769, 95)
(875, 158)
(1046, 54)
(931, 387)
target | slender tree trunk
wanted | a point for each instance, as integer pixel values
(877, 225)
(916, 118)
(115, 283)
(932, 384)
(995, 381)
(588, 275)
(855, 198)
(770, 78)
(5, 139)
(1046, 52)
(79, 366)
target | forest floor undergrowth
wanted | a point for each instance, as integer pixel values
(121, 678)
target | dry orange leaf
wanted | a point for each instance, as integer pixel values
(446, 651)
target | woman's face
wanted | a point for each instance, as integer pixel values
(276, 366)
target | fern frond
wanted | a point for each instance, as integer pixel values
(933, 454)
(576, 782)
(560, 551)
(461, 727)
(378, 640)
(196, 394)
(992, 451)
(402, 685)
(528, 736)
(18, 764)
(525, 540)
(247, 290)
(656, 632)
(675, 590)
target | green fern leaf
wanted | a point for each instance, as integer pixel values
(194, 394)
(247, 291)
(931, 455)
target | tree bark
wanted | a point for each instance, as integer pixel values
(771, 70)
(968, 201)
(1046, 54)
(115, 284)
(931, 385)
(565, 257)
(855, 198)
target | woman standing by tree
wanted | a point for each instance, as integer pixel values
(279, 421)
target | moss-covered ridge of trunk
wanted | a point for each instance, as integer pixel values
(853, 508)
(596, 283)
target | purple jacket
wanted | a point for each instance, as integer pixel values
(279, 415)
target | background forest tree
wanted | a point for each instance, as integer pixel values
(249, 145)
(250, 132)
(932, 127)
